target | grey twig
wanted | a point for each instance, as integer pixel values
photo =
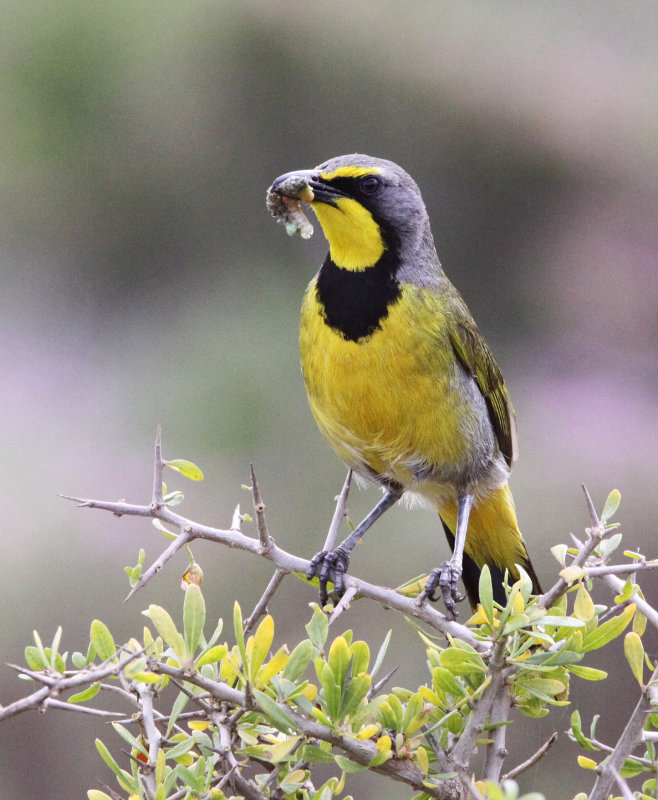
(631, 736)
(259, 510)
(376, 687)
(463, 749)
(245, 787)
(54, 685)
(284, 561)
(360, 751)
(496, 751)
(158, 465)
(50, 702)
(530, 762)
(339, 513)
(621, 569)
(616, 584)
(183, 538)
(152, 734)
(596, 534)
(343, 603)
(261, 606)
(623, 786)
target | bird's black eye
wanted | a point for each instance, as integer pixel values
(370, 184)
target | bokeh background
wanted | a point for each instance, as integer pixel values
(143, 283)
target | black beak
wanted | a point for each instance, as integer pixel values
(308, 174)
(322, 192)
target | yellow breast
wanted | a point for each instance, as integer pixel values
(393, 403)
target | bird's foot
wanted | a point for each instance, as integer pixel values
(446, 577)
(329, 565)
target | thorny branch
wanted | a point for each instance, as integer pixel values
(285, 562)
(630, 738)
(489, 710)
(359, 751)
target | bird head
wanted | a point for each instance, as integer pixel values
(365, 206)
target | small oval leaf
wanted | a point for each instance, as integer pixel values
(102, 640)
(186, 468)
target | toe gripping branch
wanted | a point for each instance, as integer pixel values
(329, 565)
(446, 577)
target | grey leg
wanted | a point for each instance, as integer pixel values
(446, 577)
(333, 564)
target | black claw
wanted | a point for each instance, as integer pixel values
(445, 578)
(312, 568)
(329, 565)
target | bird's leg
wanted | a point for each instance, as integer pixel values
(332, 564)
(447, 576)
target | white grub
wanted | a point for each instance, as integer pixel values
(284, 204)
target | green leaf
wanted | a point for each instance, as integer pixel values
(349, 766)
(415, 706)
(398, 712)
(34, 658)
(356, 690)
(332, 692)
(212, 656)
(316, 755)
(165, 626)
(609, 630)
(318, 627)
(173, 499)
(102, 640)
(125, 734)
(577, 732)
(446, 682)
(588, 673)
(194, 618)
(360, 653)
(380, 655)
(88, 694)
(107, 757)
(181, 748)
(238, 629)
(461, 662)
(559, 552)
(515, 622)
(339, 659)
(299, 659)
(609, 545)
(611, 505)
(380, 759)
(261, 646)
(176, 710)
(583, 607)
(485, 590)
(274, 712)
(95, 794)
(632, 768)
(562, 622)
(543, 688)
(159, 526)
(78, 660)
(186, 468)
(54, 647)
(634, 652)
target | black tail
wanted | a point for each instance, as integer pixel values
(471, 575)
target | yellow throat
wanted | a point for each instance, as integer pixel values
(355, 239)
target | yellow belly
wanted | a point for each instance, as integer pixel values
(396, 404)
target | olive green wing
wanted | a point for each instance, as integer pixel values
(474, 355)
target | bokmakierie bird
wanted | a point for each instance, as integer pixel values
(400, 380)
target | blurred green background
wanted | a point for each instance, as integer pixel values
(143, 283)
